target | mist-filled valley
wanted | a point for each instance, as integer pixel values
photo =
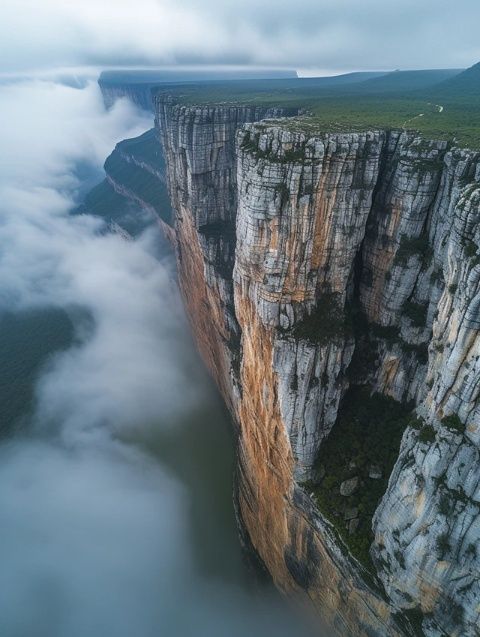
(116, 453)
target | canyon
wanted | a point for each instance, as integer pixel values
(314, 262)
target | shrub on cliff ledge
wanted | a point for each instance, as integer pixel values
(443, 546)
(328, 321)
(413, 246)
(453, 423)
(427, 434)
(416, 312)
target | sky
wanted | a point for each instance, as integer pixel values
(329, 35)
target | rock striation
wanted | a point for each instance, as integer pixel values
(310, 261)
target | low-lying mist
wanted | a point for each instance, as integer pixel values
(115, 480)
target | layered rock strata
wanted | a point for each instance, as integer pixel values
(282, 236)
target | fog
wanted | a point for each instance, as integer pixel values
(115, 487)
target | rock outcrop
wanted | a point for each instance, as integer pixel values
(284, 238)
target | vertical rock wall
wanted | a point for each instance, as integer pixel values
(281, 237)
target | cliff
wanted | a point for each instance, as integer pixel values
(138, 93)
(311, 262)
(135, 179)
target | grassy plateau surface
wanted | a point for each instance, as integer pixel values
(440, 104)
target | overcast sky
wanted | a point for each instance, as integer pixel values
(332, 35)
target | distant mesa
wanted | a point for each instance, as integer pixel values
(409, 80)
(173, 76)
(465, 84)
(137, 84)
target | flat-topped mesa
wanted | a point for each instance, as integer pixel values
(311, 261)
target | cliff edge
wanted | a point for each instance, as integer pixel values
(312, 263)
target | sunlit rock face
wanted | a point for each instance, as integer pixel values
(282, 236)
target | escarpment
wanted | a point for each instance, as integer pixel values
(139, 94)
(312, 263)
(134, 191)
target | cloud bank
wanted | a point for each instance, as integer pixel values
(335, 35)
(108, 496)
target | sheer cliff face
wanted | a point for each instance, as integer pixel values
(428, 525)
(280, 237)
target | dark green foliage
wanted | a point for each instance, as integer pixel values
(413, 246)
(295, 155)
(420, 351)
(472, 550)
(218, 229)
(364, 356)
(368, 432)
(454, 423)
(367, 335)
(456, 612)
(123, 169)
(445, 504)
(427, 434)
(452, 288)
(250, 145)
(415, 617)
(470, 248)
(436, 276)
(443, 545)
(400, 559)
(391, 333)
(142, 183)
(145, 148)
(416, 423)
(284, 192)
(327, 322)
(416, 312)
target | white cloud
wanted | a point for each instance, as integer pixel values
(98, 536)
(51, 258)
